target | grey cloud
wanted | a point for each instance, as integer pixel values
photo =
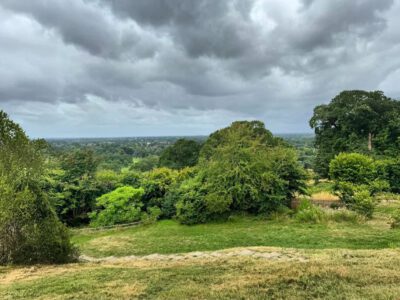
(157, 59)
(83, 24)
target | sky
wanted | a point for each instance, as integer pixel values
(104, 68)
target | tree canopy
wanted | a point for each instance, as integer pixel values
(29, 229)
(183, 153)
(242, 168)
(356, 121)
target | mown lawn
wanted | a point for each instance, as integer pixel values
(325, 274)
(170, 237)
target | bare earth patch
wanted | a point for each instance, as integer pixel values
(268, 253)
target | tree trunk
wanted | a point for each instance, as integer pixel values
(370, 141)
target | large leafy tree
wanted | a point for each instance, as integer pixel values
(183, 153)
(74, 188)
(29, 229)
(242, 168)
(356, 121)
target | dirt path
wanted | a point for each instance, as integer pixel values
(254, 252)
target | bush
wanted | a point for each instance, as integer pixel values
(152, 215)
(30, 231)
(191, 207)
(357, 198)
(352, 167)
(389, 170)
(156, 184)
(122, 205)
(309, 213)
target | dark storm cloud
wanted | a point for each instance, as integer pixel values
(165, 60)
(85, 25)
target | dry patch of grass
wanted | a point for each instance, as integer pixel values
(109, 243)
(324, 196)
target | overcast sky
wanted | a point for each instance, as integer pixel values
(187, 67)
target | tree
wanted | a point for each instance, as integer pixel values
(29, 229)
(156, 183)
(183, 153)
(122, 205)
(144, 164)
(356, 121)
(353, 167)
(356, 180)
(74, 189)
(242, 168)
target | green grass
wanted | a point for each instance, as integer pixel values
(168, 236)
(328, 274)
(332, 260)
(323, 186)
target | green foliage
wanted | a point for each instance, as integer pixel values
(191, 208)
(352, 167)
(363, 203)
(107, 181)
(152, 215)
(309, 213)
(183, 153)
(156, 184)
(344, 215)
(122, 205)
(389, 170)
(242, 168)
(132, 178)
(357, 181)
(357, 198)
(115, 153)
(29, 229)
(145, 164)
(73, 191)
(244, 131)
(396, 220)
(356, 121)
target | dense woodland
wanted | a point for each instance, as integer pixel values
(47, 186)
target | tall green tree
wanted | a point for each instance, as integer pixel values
(30, 231)
(183, 153)
(356, 121)
(74, 190)
(242, 168)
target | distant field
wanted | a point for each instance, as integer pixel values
(170, 237)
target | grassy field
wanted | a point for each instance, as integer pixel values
(292, 260)
(321, 274)
(169, 237)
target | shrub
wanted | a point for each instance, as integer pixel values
(191, 207)
(152, 215)
(389, 170)
(357, 198)
(352, 167)
(30, 231)
(156, 184)
(309, 213)
(122, 205)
